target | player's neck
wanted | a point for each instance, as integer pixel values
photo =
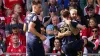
(34, 12)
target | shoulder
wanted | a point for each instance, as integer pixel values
(22, 47)
(61, 23)
(9, 47)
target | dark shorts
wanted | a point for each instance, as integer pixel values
(73, 47)
(34, 45)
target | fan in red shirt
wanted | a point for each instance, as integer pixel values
(10, 3)
(15, 31)
(57, 47)
(18, 11)
(88, 31)
(16, 49)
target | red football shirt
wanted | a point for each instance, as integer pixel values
(22, 39)
(10, 3)
(87, 32)
(20, 50)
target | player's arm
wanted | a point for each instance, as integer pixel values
(24, 27)
(74, 27)
(31, 28)
(81, 26)
(61, 35)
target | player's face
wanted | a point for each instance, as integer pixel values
(38, 8)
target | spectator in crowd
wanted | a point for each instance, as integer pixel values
(91, 13)
(74, 4)
(53, 5)
(18, 11)
(33, 35)
(95, 39)
(2, 44)
(14, 20)
(57, 46)
(97, 11)
(16, 31)
(55, 20)
(83, 3)
(63, 3)
(50, 35)
(88, 31)
(8, 5)
(74, 16)
(48, 19)
(89, 2)
(50, 31)
(16, 47)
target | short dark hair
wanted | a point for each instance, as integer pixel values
(65, 13)
(36, 3)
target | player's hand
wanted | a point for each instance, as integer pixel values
(43, 37)
(59, 35)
